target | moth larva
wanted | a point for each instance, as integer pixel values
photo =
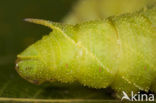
(118, 52)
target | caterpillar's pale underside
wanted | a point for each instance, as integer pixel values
(119, 52)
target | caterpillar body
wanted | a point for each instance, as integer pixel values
(119, 52)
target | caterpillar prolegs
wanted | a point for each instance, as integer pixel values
(118, 52)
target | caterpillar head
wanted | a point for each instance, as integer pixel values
(29, 63)
(30, 66)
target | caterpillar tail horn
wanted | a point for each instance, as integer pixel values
(41, 22)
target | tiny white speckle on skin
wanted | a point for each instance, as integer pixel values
(16, 65)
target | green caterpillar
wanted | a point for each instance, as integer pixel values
(119, 52)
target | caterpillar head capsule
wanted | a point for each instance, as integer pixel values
(30, 66)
